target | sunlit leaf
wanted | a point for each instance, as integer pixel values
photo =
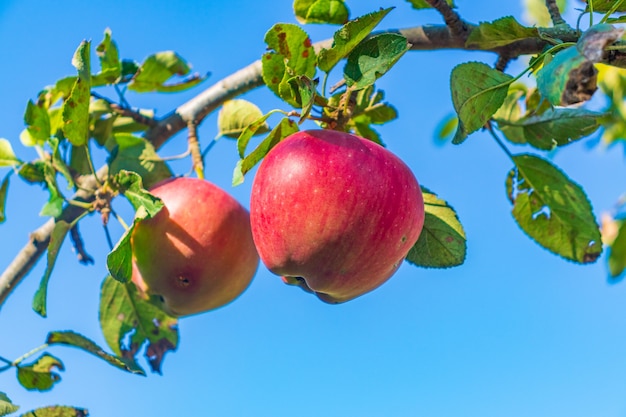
(605, 5)
(76, 107)
(124, 311)
(537, 12)
(285, 128)
(56, 240)
(6, 405)
(478, 91)
(252, 129)
(158, 68)
(110, 64)
(37, 123)
(617, 253)
(498, 33)
(236, 115)
(57, 411)
(131, 186)
(423, 4)
(72, 339)
(7, 156)
(348, 37)
(321, 11)
(3, 197)
(442, 243)
(40, 375)
(372, 58)
(553, 210)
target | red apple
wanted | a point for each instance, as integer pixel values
(197, 253)
(334, 213)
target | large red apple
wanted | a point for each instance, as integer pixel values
(197, 253)
(334, 213)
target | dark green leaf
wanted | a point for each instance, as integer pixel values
(236, 115)
(303, 92)
(285, 128)
(76, 107)
(125, 311)
(54, 205)
(348, 37)
(120, 259)
(3, 197)
(69, 338)
(569, 78)
(442, 243)
(158, 69)
(59, 162)
(37, 123)
(478, 91)
(56, 240)
(137, 154)
(372, 58)
(78, 159)
(617, 253)
(131, 186)
(57, 411)
(33, 172)
(6, 405)
(291, 54)
(555, 127)
(40, 375)
(553, 210)
(321, 11)
(501, 32)
(422, 4)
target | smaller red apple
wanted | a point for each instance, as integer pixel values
(197, 253)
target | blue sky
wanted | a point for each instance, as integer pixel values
(515, 331)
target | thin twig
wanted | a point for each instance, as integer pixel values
(458, 27)
(555, 13)
(127, 112)
(77, 240)
(194, 148)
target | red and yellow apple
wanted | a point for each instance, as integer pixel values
(334, 213)
(197, 253)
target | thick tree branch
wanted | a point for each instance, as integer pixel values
(555, 13)
(457, 26)
(436, 37)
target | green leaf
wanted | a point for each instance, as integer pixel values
(110, 64)
(124, 311)
(291, 54)
(131, 186)
(76, 107)
(158, 68)
(348, 37)
(6, 405)
(442, 243)
(285, 128)
(446, 128)
(137, 154)
(236, 115)
(3, 197)
(605, 5)
(251, 130)
(321, 11)
(120, 259)
(617, 253)
(555, 127)
(37, 123)
(33, 172)
(569, 78)
(478, 91)
(422, 4)
(304, 93)
(54, 205)
(372, 58)
(56, 240)
(500, 32)
(553, 210)
(59, 162)
(72, 339)
(40, 375)
(57, 411)
(7, 156)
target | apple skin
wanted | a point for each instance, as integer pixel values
(197, 253)
(334, 213)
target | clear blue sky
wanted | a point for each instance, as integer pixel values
(514, 332)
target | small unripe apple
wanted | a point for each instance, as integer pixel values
(197, 253)
(334, 213)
